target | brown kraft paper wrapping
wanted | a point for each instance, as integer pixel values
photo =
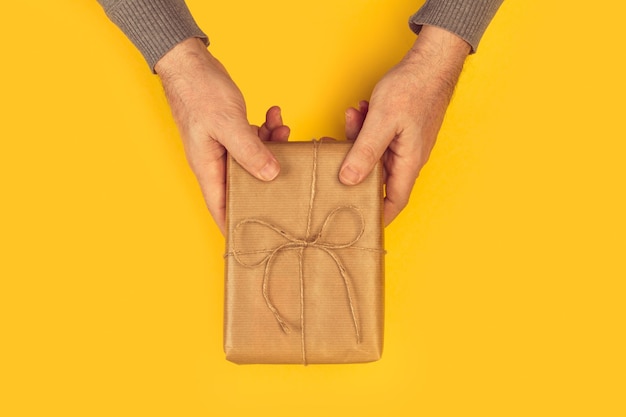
(304, 261)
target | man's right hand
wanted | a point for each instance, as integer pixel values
(210, 113)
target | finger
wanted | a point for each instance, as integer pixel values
(212, 179)
(273, 129)
(364, 106)
(248, 150)
(368, 148)
(397, 193)
(354, 123)
(273, 118)
(263, 133)
(280, 134)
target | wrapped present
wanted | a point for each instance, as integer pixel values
(304, 261)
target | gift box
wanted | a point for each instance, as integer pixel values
(304, 274)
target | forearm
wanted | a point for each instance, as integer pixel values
(468, 19)
(436, 59)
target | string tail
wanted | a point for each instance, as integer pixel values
(348, 284)
(266, 296)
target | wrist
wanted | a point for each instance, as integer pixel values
(179, 58)
(435, 41)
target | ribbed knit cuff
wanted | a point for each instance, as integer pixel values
(155, 26)
(466, 18)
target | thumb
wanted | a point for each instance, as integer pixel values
(248, 150)
(367, 150)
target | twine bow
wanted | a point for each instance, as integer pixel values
(295, 243)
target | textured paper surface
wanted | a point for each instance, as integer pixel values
(332, 286)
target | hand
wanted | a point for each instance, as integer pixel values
(401, 122)
(210, 113)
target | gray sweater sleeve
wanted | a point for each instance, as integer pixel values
(156, 26)
(466, 18)
(153, 26)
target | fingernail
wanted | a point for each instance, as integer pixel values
(269, 171)
(349, 176)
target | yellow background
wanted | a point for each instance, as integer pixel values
(505, 275)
